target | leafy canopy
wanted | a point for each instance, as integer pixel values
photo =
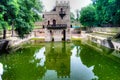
(20, 13)
(87, 17)
(107, 13)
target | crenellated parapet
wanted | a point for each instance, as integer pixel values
(62, 3)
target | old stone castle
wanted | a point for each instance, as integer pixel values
(57, 22)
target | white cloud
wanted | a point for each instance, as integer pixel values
(48, 4)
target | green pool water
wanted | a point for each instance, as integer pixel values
(61, 61)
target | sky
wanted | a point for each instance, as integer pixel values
(74, 4)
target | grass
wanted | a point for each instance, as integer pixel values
(75, 38)
(41, 39)
(38, 27)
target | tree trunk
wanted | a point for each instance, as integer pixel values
(4, 33)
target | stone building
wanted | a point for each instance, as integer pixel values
(57, 22)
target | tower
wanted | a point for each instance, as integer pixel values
(57, 22)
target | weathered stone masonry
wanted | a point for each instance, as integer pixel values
(57, 22)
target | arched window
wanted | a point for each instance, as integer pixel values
(43, 16)
(54, 22)
(48, 22)
(61, 9)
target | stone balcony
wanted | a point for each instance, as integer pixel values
(57, 26)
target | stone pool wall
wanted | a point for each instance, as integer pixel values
(116, 45)
(104, 42)
(100, 40)
(110, 31)
(106, 29)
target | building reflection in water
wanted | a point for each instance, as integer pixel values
(58, 59)
(62, 61)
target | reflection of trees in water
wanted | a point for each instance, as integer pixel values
(58, 58)
(102, 48)
(78, 50)
(19, 66)
(78, 47)
(104, 67)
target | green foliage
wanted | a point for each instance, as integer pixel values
(101, 10)
(72, 17)
(21, 14)
(107, 13)
(2, 11)
(23, 27)
(22, 22)
(87, 17)
(27, 16)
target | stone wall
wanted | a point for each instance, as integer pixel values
(39, 33)
(8, 34)
(116, 45)
(104, 42)
(55, 35)
(99, 40)
(106, 29)
(50, 16)
(54, 15)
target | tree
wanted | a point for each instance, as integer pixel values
(102, 12)
(9, 10)
(27, 16)
(3, 24)
(107, 12)
(20, 13)
(87, 17)
(72, 16)
(116, 17)
(77, 15)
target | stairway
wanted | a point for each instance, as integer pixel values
(110, 44)
(117, 35)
